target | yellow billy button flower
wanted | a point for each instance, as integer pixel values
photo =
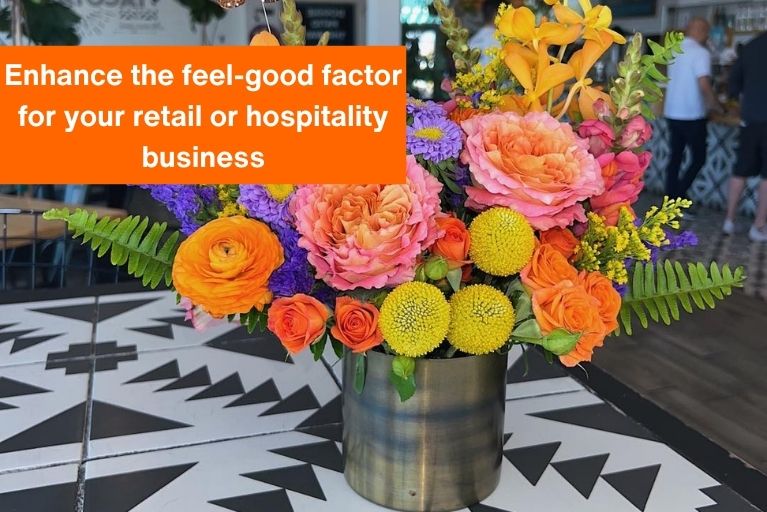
(502, 241)
(414, 319)
(481, 319)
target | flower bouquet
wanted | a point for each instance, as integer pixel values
(514, 227)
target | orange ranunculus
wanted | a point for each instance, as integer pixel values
(569, 306)
(461, 114)
(455, 243)
(547, 268)
(264, 38)
(602, 289)
(224, 267)
(356, 325)
(298, 321)
(561, 239)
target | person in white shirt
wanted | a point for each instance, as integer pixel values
(689, 97)
(484, 38)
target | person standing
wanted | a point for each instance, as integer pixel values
(689, 97)
(748, 79)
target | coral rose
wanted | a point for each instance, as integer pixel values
(602, 289)
(547, 268)
(569, 306)
(298, 321)
(561, 239)
(356, 325)
(368, 236)
(224, 267)
(455, 243)
(533, 164)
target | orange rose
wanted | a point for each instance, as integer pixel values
(298, 321)
(602, 289)
(356, 325)
(562, 239)
(569, 306)
(454, 244)
(547, 268)
(224, 267)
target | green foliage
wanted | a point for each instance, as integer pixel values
(658, 290)
(293, 31)
(203, 11)
(360, 372)
(457, 38)
(253, 320)
(403, 376)
(46, 22)
(636, 88)
(127, 241)
(324, 39)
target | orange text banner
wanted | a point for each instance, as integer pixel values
(153, 115)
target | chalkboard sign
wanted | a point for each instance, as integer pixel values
(631, 8)
(338, 19)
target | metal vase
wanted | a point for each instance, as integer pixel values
(440, 450)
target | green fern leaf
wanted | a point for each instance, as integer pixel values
(126, 243)
(658, 291)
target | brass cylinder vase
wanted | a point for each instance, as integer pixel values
(438, 451)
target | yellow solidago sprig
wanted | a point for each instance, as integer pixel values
(658, 220)
(502, 241)
(227, 197)
(482, 319)
(414, 319)
(606, 249)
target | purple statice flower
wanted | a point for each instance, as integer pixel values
(262, 205)
(420, 108)
(185, 202)
(622, 289)
(294, 275)
(680, 241)
(435, 139)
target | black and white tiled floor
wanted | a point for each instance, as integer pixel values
(112, 404)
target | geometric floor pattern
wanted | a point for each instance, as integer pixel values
(114, 404)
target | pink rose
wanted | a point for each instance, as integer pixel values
(622, 174)
(368, 236)
(636, 133)
(533, 164)
(600, 135)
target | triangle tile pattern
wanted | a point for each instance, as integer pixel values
(326, 415)
(12, 335)
(134, 488)
(726, 501)
(51, 498)
(532, 366)
(266, 392)
(231, 385)
(24, 343)
(10, 387)
(63, 428)
(532, 461)
(167, 371)
(161, 331)
(179, 320)
(479, 507)
(84, 312)
(324, 454)
(506, 438)
(582, 473)
(299, 479)
(635, 484)
(4, 406)
(198, 378)
(332, 432)
(600, 417)
(271, 501)
(301, 400)
(109, 310)
(113, 421)
(264, 347)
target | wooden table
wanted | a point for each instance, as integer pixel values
(17, 228)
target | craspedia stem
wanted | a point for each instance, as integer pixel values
(293, 30)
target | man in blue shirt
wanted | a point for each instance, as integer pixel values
(748, 80)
